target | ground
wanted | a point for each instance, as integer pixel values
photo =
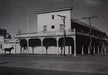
(48, 64)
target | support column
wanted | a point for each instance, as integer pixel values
(75, 45)
(23, 50)
(82, 50)
(32, 50)
(27, 45)
(88, 49)
(42, 45)
(102, 48)
(46, 51)
(57, 46)
(71, 50)
(15, 45)
(105, 50)
(74, 38)
(94, 52)
(98, 49)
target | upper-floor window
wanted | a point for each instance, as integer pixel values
(52, 26)
(44, 28)
(52, 16)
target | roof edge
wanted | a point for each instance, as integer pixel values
(50, 11)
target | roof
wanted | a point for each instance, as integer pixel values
(84, 24)
(50, 11)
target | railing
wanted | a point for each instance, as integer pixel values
(94, 36)
(47, 33)
(55, 33)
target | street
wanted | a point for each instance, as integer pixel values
(80, 65)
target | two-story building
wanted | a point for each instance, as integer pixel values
(49, 35)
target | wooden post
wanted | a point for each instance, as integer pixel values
(94, 50)
(75, 43)
(15, 45)
(57, 47)
(42, 45)
(27, 46)
(82, 50)
(98, 49)
(88, 49)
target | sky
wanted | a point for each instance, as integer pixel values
(13, 13)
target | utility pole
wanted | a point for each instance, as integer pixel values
(89, 20)
(64, 32)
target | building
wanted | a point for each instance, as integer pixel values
(50, 33)
(2, 36)
(4, 40)
(3, 32)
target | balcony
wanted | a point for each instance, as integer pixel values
(93, 35)
(45, 34)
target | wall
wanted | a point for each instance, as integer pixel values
(46, 19)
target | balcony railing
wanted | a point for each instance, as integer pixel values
(55, 34)
(45, 34)
(93, 36)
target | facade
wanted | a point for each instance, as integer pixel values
(51, 22)
(49, 38)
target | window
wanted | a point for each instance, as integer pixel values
(61, 27)
(44, 28)
(52, 26)
(52, 16)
